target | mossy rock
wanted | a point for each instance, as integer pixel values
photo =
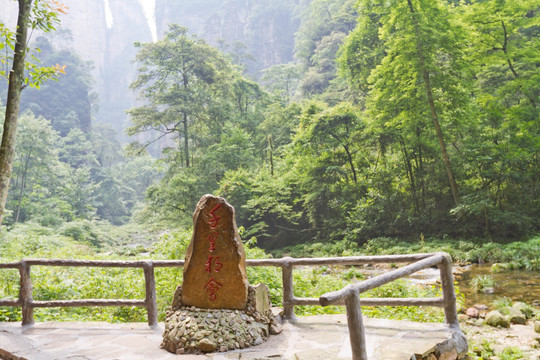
(517, 317)
(495, 318)
(525, 309)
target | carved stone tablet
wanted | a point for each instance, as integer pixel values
(215, 267)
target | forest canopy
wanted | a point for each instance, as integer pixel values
(401, 118)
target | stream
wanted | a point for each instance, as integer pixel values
(518, 285)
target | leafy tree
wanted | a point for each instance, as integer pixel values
(67, 102)
(419, 77)
(267, 205)
(35, 161)
(362, 50)
(502, 150)
(43, 16)
(206, 114)
(282, 80)
(325, 23)
(180, 78)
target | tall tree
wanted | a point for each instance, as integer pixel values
(419, 77)
(426, 68)
(43, 16)
(35, 161)
(180, 79)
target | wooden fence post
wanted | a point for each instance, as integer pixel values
(449, 294)
(356, 326)
(150, 300)
(288, 289)
(25, 294)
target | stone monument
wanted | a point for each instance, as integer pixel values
(215, 309)
(215, 268)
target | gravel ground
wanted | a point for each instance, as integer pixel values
(522, 336)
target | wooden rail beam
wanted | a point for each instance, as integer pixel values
(363, 286)
(88, 302)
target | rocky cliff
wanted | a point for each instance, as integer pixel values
(266, 29)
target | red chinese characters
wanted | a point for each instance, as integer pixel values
(212, 287)
(212, 263)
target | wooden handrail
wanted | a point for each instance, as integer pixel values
(348, 296)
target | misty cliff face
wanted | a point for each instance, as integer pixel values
(265, 28)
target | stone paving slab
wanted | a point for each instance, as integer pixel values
(320, 337)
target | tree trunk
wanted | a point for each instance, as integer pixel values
(16, 76)
(271, 151)
(23, 185)
(434, 115)
(410, 173)
(351, 164)
(186, 139)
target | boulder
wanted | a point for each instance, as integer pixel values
(495, 318)
(524, 309)
(517, 317)
(472, 312)
(481, 307)
(537, 326)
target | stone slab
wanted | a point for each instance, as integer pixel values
(321, 337)
(215, 267)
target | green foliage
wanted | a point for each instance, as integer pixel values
(503, 304)
(44, 17)
(324, 25)
(518, 254)
(483, 351)
(511, 353)
(482, 282)
(67, 103)
(282, 80)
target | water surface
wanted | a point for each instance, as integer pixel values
(518, 285)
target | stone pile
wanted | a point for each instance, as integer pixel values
(193, 330)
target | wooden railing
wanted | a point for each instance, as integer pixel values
(348, 296)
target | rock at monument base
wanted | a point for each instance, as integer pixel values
(192, 330)
(215, 268)
(206, 345)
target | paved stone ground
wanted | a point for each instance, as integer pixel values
(321, 337)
